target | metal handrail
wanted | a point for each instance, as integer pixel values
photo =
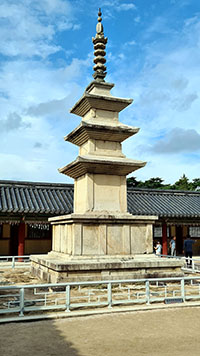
(14, 261)
(194, 262)
(37, 298)
(26, 258)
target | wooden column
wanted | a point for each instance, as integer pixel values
(164, 238)
(21, 238)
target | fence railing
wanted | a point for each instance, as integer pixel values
(24, 261)
(15, 261)
(40, 299)
(192, 264)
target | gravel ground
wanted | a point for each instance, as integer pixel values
(17, 276)
(173, 332)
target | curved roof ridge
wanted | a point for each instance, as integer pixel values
(40, 184)
(160, 191)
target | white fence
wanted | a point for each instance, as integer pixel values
(40, 299)
(15, 261)
(24, 262)
(190, 264)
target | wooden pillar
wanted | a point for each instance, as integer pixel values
(164, 238)
(21, 238)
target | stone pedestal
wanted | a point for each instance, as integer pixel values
(96, 235)
(101, 247)
(54, 268)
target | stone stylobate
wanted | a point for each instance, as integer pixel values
(99, 51)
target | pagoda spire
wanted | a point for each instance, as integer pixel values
(99, 51)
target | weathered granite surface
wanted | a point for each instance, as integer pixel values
(102, 234)
(57, 268)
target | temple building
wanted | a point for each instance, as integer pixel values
(26, 206)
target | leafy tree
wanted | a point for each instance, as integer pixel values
(154, 183)
(157, 183)
(132, 182)
(196, 184)
(183, 184)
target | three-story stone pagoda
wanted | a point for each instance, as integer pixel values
(100, 240)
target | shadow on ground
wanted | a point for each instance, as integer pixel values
(40, 338)
(168, 332)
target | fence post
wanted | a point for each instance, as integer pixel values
(109, 287)
(21, 301)
(13, 262)
(67, 298)
(147, 292)
(193, 266)
(183, 289)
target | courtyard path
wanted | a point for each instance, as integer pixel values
(171, 332)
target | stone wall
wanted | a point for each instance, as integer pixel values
(75, 235)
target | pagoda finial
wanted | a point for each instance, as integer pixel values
(99, 51)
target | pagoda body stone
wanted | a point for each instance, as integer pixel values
(100, 169)
(100, 239)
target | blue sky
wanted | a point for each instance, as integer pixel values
(153, 56)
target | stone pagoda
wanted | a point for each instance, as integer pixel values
(100, 240)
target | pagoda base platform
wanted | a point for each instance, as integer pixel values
(101, 246)
(58, 268)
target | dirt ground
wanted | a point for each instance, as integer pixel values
(172, 332)
(17, 276)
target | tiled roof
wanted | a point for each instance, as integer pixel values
(164, 203)
(36, 198)
(49, 199)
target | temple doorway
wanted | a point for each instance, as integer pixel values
(14, 240)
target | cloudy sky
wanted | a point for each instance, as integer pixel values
(153, 56)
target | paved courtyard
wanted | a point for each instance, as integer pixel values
(172, 332)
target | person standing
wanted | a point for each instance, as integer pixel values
(158, 248)
(173, 246)
(187, 248)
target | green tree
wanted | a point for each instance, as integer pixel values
(196, 184)
(153, 183)
(183, 183)
(132, 182)
(157, 183)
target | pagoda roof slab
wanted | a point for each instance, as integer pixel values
(101, 165)
(102, 102)
(86, 131)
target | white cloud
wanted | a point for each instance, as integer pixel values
(137, 19)
(125, 7)
(32, 26)
(35, 97)
(178, 140)
(117, 5)
(159, 25)
(13, 122)
(130, 43)
(48, 108)
(166, 94)
(36, 92)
